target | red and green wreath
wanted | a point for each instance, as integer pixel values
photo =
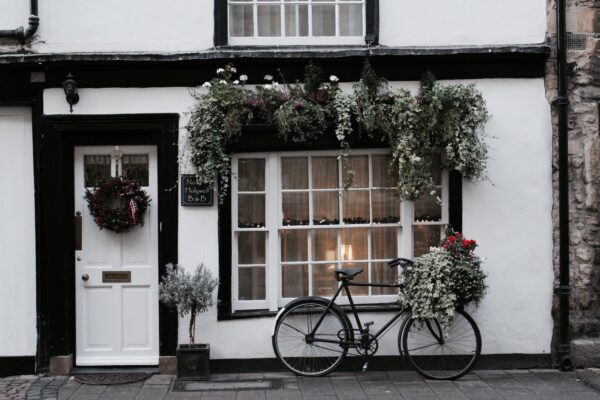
(117, 204)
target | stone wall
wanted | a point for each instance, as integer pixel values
(583, 17)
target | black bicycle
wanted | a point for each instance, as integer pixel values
(312, 335)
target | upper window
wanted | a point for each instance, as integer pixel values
(294, 225)
(291, 22)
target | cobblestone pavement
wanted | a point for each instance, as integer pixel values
(32, 387)
(488, 385)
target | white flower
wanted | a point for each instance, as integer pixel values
(275, 85)
(223, 82)
(220, 71)
(268, 78)
(206, 84)
(334, 78)
(432, 193)
(324, 86)
(233, 70)
(267, 86)
(243, 78)
(236, 82)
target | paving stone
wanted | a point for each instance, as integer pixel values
(251, 395)
(86, 396)
(91, 389)
(442, 386)
(419, 395)
(159, 380)
(152, 394)
(219, 395)
(283, 395)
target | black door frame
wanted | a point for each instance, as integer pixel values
(55, 189)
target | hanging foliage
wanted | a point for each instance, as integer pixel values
(445, 120)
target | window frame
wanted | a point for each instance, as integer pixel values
(273, 200)
(370, 31)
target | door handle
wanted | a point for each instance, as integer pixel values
(85, 277)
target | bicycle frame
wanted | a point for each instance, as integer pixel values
(345, 284)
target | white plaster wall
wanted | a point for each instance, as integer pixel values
(116, 25)
(188, 25)
(509, 215)
(461, 22)
(18, 333)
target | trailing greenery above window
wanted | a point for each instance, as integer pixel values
(446, 120)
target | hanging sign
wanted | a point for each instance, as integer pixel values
(193, 194)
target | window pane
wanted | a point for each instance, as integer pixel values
(251, 247)
(428, 209)
(355, 244)
(384, 243)
(363, 277)
(324, 283)
(294, 173)
(323, 20)
(135, 167)
(251, 210)
(324, 245)
(381, 172)
(241, 20)
(294, 280)
(96, 168)
(360, 166)
(290, 20)
(269, 20)
(251, 175)
(351, 19)
(294, 245)
(251, 283)
(295, 209)
(303, 20)
(436, 169)
(425, 237)
(356, 207)
(386, 206)
(326, 208)
(381, 273)
(325, 173)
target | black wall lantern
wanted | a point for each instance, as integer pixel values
(70, 88)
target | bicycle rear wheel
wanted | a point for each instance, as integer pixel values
(441, 354)
(305, 355)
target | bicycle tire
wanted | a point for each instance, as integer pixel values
(293, 350)
(441, 359)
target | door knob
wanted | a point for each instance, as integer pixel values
(85, 277)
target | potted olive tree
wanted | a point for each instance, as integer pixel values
(189, 293)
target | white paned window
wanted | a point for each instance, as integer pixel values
(296, 22)
(294, 225)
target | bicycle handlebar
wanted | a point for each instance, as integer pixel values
(403, 262)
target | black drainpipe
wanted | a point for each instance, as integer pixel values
(562, 102)
(21, 33)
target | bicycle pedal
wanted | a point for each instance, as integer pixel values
(368, 324)
(365, 366)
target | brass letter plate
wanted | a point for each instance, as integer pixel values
(116, 276)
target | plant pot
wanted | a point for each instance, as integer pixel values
(193, 362)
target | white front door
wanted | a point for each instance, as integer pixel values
(116, 322)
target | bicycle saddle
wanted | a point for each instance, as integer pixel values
(347, 273)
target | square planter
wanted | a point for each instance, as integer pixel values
(193, 362)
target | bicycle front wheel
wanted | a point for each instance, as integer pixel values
(303, 353)
(438, 353)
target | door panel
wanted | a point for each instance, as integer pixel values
(117, 323)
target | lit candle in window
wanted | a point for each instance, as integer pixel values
(347, 252)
